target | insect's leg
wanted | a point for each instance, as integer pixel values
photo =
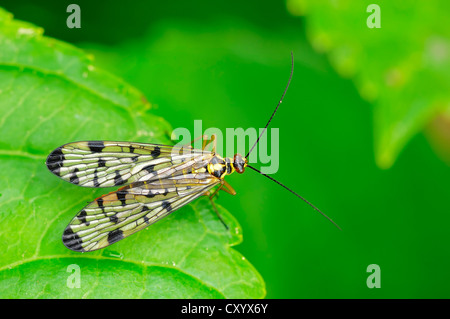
(214, 205)
(207, 193)
(205, 140)
(195, 140)
(227, 188)
(214, 141)
(206, 143)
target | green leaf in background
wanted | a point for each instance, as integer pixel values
(51, 93)
(409, 83)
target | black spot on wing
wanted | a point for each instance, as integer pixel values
(150, 195)
(71, 240)
(156, 152)
(100, 203)
(101, 163)
(114, 236)
(121, 195)
(118, 179)
(82, 217)
(114, 219)
(149, 168)
(131, 149)
(96, 146)
(55, 161)
(145, 209)
(74, 178)
(153, 193)
(95, 180)
(166, 205)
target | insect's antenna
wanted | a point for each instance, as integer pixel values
(295, 195)
(281, 100)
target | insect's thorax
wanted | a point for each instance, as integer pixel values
(220, 167)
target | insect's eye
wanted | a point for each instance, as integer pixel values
(239, 163)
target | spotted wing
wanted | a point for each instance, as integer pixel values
(106, 164)
(119, 214)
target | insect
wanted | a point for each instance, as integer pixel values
(156, 179)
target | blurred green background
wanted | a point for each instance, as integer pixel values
(227, 63)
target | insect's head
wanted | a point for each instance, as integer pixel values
(239, 163)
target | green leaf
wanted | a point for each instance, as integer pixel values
(403, 68)
(52, 93)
